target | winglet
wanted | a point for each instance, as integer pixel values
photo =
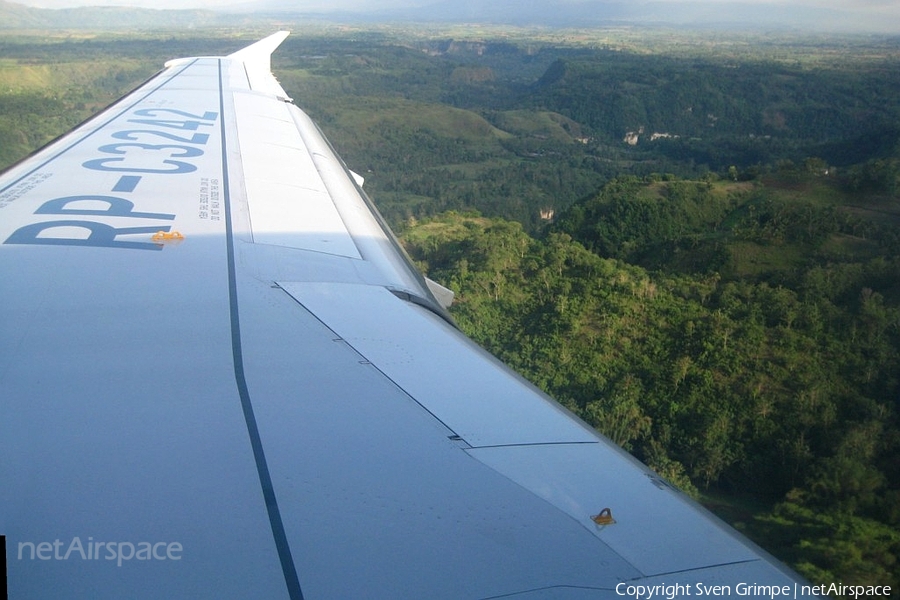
(257, 59)
(259, 54)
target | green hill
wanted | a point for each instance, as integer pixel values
(17, 16)
(771, 383)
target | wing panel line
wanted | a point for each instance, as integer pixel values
(265, 479)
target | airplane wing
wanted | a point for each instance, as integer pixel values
(220, 377)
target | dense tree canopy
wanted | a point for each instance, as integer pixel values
(780, 384)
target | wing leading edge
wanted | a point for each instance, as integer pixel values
(221, 376)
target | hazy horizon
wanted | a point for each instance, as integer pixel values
(871, 15)
(873, 7)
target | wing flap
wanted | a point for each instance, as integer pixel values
(583, 479)
(445, 372)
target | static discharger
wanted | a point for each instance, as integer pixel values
(604, 517)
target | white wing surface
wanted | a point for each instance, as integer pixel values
(221, 378)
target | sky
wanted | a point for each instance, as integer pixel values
(887, 9)
(873, 5)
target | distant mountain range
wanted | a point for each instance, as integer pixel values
(601, 12)
(18, 16)
(574, 14)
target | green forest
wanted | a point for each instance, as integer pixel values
(691, 241)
